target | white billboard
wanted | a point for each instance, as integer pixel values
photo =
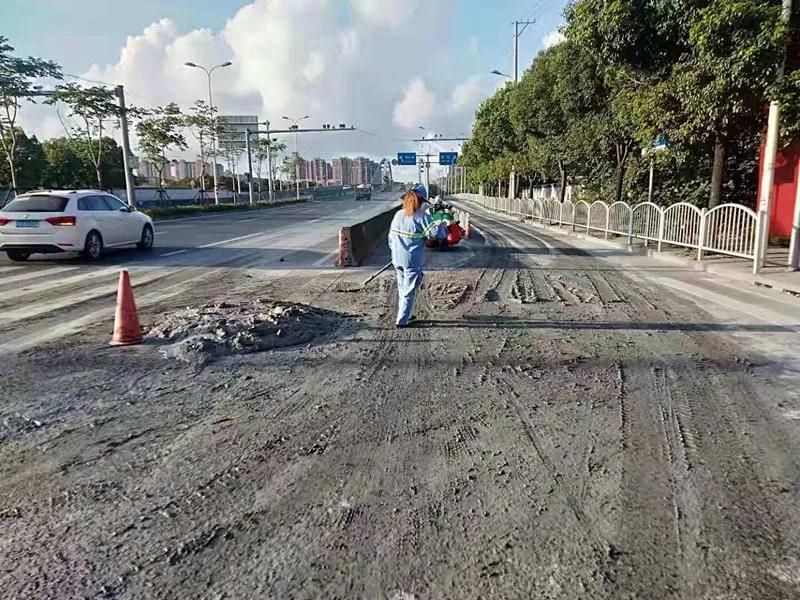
(235, 128)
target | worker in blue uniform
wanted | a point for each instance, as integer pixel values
(410, 228)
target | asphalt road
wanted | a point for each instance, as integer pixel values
(55, 295)
(562, 423)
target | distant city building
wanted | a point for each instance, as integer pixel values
(179, 169)
(148, 173)
(174, 170)
(363, 168)
(340, 171)
(343, 171)
(317, 170)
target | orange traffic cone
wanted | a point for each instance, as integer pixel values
(126, 323)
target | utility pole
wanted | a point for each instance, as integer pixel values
(770, 154)
(249, 165)
(516, 51)
(130, 192)
(517, 34)
(119, 92)
(512, 184)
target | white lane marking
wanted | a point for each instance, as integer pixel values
(221, 215)
(327, 258)
(236, 239)
(6, 269)
(58, 282)
(33, 310)
(174, 253)
(246, 220)
(35, 274)
(76, 325)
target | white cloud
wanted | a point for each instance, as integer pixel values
(467, 94)
(314, 67)
(553, 38)
(416, 107)
(301, 57)
(380, 12)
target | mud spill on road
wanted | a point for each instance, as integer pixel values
(201, 333)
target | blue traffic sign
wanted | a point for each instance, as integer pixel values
(448, 158)
(407, 158)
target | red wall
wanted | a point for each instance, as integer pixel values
(785, 189)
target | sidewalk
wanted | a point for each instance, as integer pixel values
(774, 275)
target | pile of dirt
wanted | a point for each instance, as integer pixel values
(225, 328)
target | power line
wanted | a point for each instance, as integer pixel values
(128, 90)
(386, 137)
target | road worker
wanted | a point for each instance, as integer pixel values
(410, 228)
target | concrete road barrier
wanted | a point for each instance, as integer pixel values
(356, 242)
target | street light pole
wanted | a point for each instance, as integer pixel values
(296, 154)
(208, 73)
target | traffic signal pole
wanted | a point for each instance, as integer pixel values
(268, 132)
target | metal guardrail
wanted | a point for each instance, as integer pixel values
(728, 229)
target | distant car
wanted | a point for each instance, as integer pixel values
(85, 221)
(363, 192)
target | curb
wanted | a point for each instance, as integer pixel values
(760, 280)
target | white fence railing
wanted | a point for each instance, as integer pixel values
(726, 229)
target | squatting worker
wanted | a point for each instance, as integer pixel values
(410, 227)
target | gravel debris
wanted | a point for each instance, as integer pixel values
(201, 333)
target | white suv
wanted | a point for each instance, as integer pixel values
(86, 221)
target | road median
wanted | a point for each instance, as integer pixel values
(357, 241)
(166, 212)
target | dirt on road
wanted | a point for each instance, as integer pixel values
(553, 428)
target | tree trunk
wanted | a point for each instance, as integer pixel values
(718, 171)
(202, 162)
(622, 156)
(99, 172)
(13, 174)
(563, 173)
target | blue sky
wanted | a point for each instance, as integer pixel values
(390, 66)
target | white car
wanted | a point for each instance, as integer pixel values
(85, 221)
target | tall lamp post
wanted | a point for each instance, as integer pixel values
(295, 126)
(512, 179)
(208, 73)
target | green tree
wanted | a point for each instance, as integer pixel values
(263, 149)
(92, 111)
(697, 71)
(735, 50)
(17, 77)
(160, 132)
(553, 109)
(493, 137)
(30, 162)
(66, 167)
(203, 125)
